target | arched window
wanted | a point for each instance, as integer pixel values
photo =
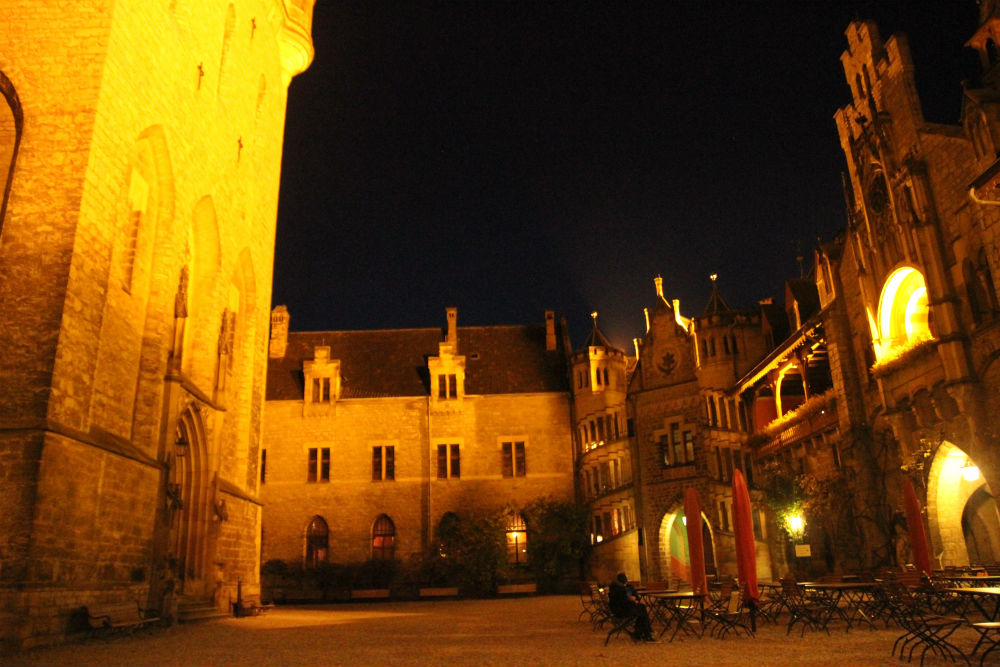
(985, 276)
(449, 535)
(317, 542)
(383, 538)
(11, 124)
(903, 314)
(517, 539)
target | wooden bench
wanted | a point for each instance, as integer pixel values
(119, 616)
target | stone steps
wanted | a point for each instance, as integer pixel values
(197, 610)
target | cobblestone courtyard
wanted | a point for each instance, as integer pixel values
(523, 631)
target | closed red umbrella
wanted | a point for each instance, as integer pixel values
(696, 549)
(746, 550)
(915, 526)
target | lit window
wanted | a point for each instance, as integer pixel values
(383, 463)
(449, 462)
(319, 465)
(517, 540)
(317, 542)
(383, 538)
(689, 446)
(513, 459)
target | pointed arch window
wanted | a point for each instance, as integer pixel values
(317, 542)
(517, 539)
(383, 538)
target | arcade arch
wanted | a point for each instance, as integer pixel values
(962, 513)
(674, 557)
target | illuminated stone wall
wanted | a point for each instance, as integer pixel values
(415, 500)
(150, 148)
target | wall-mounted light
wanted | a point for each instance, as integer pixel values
(796, 525)
(970, 471)
(181, 445)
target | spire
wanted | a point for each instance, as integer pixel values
(596, 338)
(716, 304)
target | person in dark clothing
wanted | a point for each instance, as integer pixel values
(624, 603)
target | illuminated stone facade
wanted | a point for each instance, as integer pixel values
(140, 148)
(373, 437)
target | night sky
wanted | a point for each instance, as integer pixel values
(511, 157)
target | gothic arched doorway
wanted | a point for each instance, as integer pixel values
(189, 483)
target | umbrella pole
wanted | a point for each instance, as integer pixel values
(753, 615)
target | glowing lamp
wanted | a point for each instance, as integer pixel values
(796, 525)
(970, 471)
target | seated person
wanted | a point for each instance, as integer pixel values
(624, 603)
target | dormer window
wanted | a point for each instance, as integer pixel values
(447, 370)
(322, 379)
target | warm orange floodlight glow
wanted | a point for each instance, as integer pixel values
(903, 315)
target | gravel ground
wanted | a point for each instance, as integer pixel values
(540, 630)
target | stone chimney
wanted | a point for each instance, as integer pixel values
(550, 330)
(279, 332)
(452, 326)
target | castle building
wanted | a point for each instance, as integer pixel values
(140, 148)
(376, 439)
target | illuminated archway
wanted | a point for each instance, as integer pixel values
(961, 511)
(674, 557)
(903, 316)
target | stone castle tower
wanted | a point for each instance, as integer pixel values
(140, 148)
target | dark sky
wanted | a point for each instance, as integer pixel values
(511, 157)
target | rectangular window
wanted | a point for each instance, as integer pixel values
(513, 459)
(630, 425)
(263, 465)
(757, 532)
(452, 386)
(729, 464)
(723, 515)
(600, 430)
(383, 463)
(665, 449)
(321, 390)
(675, 439)
(442, 386)
(748, 469)
(319, 465)
(689, 446)
(448, 462)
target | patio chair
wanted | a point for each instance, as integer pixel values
(589, 600)
(734, 615)
(921, 626)
(803, 609)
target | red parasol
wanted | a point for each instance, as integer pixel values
(696, 549)
(746, 551)
(915, 526)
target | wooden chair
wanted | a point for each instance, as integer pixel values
(733, 615)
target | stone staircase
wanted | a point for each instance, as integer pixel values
(193, 610)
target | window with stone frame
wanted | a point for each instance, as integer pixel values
(383, 463)
(512, 459)
(449, 461)
(317, 542)
(517, 539)
(319, 465)
(383, 538)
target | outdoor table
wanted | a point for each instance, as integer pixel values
(986, 599)
(852, 593)
(684, 615)
(969, 580)
(658, 613)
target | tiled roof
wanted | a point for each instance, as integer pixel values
(393, 362)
